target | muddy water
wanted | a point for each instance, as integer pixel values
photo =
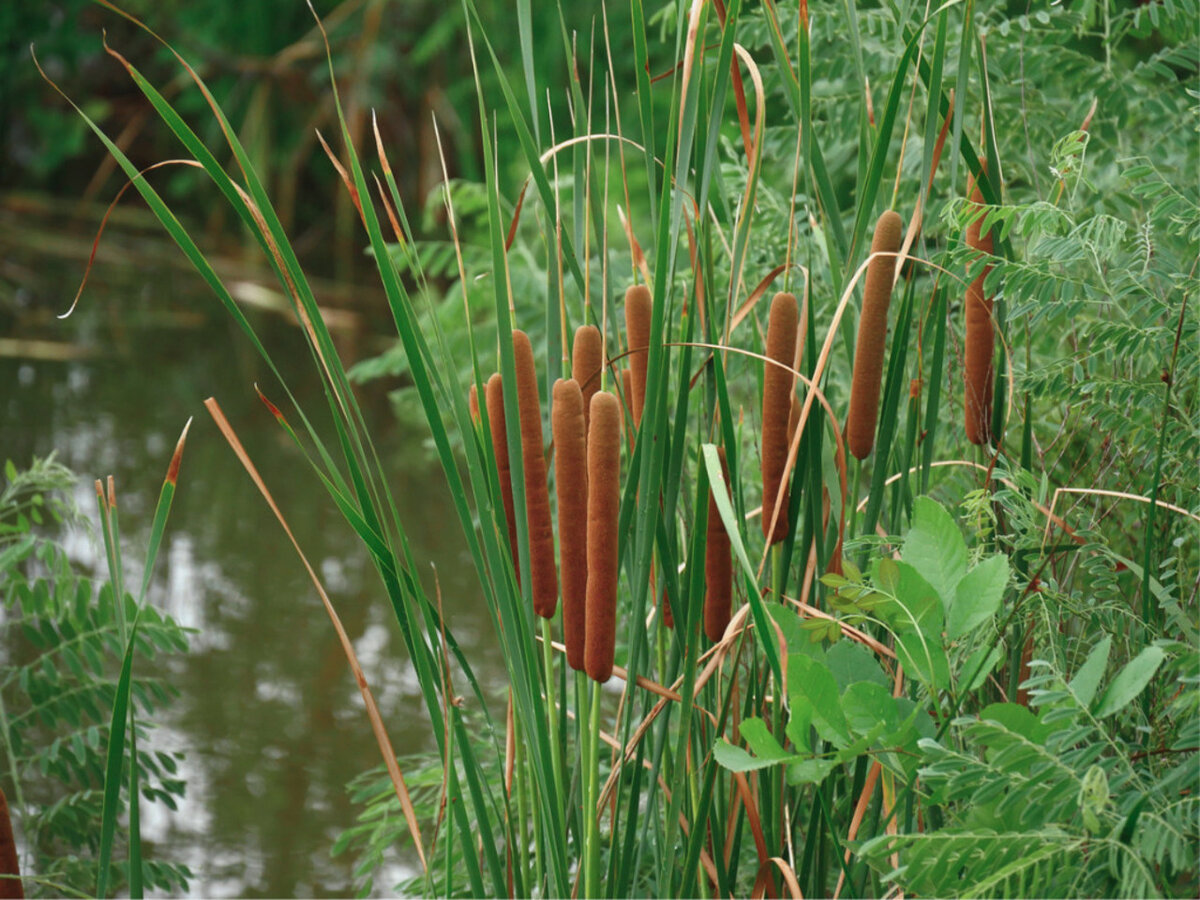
(268, 716)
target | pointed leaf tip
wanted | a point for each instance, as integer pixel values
(177, 456)
(270, 406)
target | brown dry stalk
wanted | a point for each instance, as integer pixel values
(980, 340)
(718, 567)
(494, 399)
(9, 865)
(543, 574)
(872, 336)
(777, 407)
(637, 330)
(604, 459)
(587, 359)
(570, 481)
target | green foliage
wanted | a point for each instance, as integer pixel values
(58, 686)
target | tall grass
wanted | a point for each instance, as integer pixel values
(720, 759)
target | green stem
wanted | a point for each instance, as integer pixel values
(556, 750)
(590, 812)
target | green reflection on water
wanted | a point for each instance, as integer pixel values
(269, 715)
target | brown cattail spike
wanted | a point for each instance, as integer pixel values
(543, 575)
(473, 404)
(980, 340)
(638, 305)
(718, 567)
(570, 483)
(872, 336)
(9, 865)
(493, 395)
(777, 406)
(587, 359)
(604, 459)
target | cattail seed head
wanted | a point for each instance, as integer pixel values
(493, 396)
(777, 407)
(872, 336)
(473, 404)
(604, 459)
(718, 567)
(980, 339)
(570, 485)
(587, 359)
(638, 304)
(543, 575)
(9, 861)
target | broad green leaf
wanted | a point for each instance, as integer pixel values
(811, 679)
(735, 759)
(867, 705)
(1017, 719)
(851, 662)
(923, 655)
(1130, 681)
(914, 605)
(800, 714)
(977, 596)
(810, 771)
(761, 741)
(1087, 679)
(979, 665)
(935, 548)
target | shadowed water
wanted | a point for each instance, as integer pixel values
(269, 716)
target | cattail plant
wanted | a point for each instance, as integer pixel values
(718, 567)
(637, 330)
(542, 571)
(872, 336)
(980, 340)
(9, 865)
(570, 483)
(603, 472)
(587, 361)
(777, 407)
(493, 396)
(627, 394)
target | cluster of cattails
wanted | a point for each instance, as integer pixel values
(980, 340)
(586, 429)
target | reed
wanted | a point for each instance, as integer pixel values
(718, 567)
(543, 573)
(638, 306)
(872, 336)
(777, 407)
(494, 401)
(980, 339)
(603, 473)
(587, 363)
(570, 484)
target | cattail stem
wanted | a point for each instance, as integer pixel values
(591, 802)
(556, 750)
(778, 380)
(542, 571)
(872, 336)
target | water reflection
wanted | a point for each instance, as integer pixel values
(269, 716)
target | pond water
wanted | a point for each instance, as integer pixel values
(269, 715)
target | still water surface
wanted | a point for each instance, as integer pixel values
(268, 716)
